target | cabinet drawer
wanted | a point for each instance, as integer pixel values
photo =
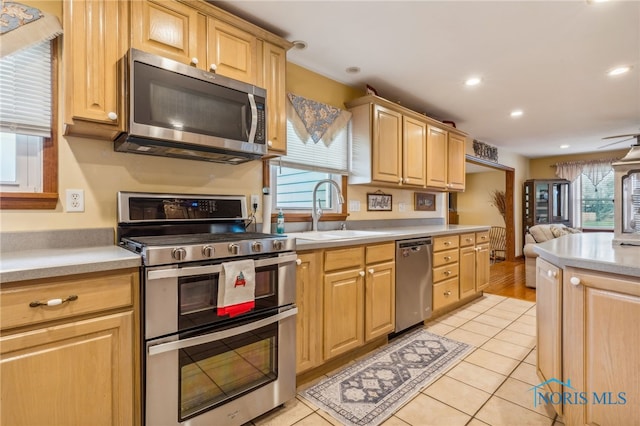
(445, 293)
(467, 239)
(443, 257)
(351, 257)
(482, 237)
(94, 294)
(446, 242)
(380, 253)
(444, 272)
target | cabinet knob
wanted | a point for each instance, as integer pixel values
(447, 258)
(447, 293)
(298, 262)
(194, 61)
(406, 180)
(112, 116)
(447, 273)
(551, 273)
(447, 243)
(371, 271)
(213, 68)
(399, 180)
(362, 273)
(575, 281)
(269, 143)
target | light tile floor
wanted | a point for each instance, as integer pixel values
(490, 386)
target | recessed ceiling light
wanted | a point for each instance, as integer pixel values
(516, 113)
(565, 146)
(299, 44)
(618, 71)
(473, 81)
(353, 70)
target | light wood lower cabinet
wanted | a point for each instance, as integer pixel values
(549, 327)
(380, 291)
(75, 363)
(446, 266)
(600, 341)
(309, 318)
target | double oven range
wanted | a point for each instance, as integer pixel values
(201, 367)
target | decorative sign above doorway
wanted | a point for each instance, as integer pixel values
(486, 151)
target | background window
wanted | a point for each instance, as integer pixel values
(596, 201)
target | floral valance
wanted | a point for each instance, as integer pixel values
(315, 120)
(595, 170)
(22, 26)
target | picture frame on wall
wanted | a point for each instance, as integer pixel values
(379, 201)
(423, 201)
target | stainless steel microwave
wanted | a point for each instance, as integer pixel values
(176, 110)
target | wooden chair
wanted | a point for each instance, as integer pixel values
(497, 242)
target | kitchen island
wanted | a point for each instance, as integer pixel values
(588, 311)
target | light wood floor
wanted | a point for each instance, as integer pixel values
(507, 279)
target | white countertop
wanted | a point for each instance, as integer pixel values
(51, 262)
(593, 251)
(391, 234)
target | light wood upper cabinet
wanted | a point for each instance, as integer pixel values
(600, 341)
(386, 145)
(414, 152)
(274, 63)
(549, 326)
(436, 158)
(309, 318)
(75, 363)
(456, 162)
(169, 29)
(232, 50)
(96, 37)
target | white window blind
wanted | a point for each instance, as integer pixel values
(317, 156)
(25, 91)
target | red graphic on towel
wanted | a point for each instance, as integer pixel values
(240, 281)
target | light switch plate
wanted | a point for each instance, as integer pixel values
(402, 207)
(354, 206)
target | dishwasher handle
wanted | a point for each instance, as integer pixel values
(414, 244)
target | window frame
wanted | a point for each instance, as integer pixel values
(580, 202)
(48, 198)
(306, 217)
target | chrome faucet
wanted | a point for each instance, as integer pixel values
(316, 212)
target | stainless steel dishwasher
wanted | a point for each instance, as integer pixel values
(414, 281)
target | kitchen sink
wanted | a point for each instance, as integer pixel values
(334, 235)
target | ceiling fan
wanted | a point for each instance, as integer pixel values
(628, 137)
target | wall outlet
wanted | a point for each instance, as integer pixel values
(75, 200)
(255, 199)
(402, 207)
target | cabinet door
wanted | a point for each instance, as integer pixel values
(232, 51)
(380, 301)
(549, 326)
(483, 266)
(73, 374)
(467, 271)
(169, 29)
(456, 162)
(414, 153)
(274, 62)
(600, 345)
(96, 37)
(343, 311)
(436, 157)
(386, 145)
(309, 318)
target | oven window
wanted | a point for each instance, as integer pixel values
(214, 373)
(198, 296)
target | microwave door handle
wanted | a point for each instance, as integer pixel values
(214, 269)
(254, 119)
(224, 334)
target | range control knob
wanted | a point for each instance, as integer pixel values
(179, 254)
(234, 248)
(207, 251)
(278, 245)
(257, 247)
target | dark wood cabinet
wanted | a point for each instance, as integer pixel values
(546, 201)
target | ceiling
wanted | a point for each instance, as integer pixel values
(546, 58)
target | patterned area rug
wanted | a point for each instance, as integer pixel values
(371, 390)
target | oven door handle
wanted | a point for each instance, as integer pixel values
(214, 269)
(207, 338)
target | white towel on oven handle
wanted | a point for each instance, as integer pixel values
(237, 285)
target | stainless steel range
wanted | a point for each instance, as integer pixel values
(218, 308)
